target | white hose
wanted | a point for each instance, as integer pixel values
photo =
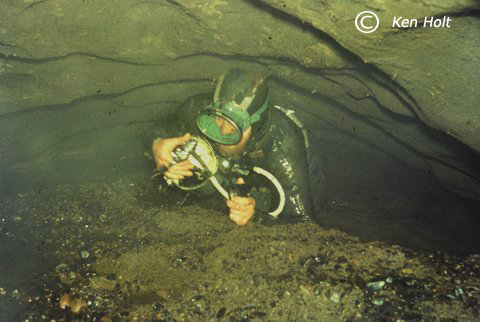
(277, 185)
(206, 151)
(219, 187)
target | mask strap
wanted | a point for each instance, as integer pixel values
(217, 89)
(255, 117)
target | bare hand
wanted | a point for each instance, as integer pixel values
(162, 153)
(241, 209)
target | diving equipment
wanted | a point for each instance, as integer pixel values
(200, 153)
(240, 101)
(212, 118)
(206, 168)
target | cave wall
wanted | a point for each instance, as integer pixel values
(82, 83)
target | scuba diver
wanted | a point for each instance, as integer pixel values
(255, 154)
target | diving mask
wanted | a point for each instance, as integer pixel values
(226, 123)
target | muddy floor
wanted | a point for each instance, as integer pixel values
(124, 251)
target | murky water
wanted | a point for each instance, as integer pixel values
(84, 233)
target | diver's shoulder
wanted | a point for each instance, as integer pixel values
(280, 117)
(284, 127)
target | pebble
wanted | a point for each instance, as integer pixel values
(335, 297)
(157, 307)
(65, 301)
(15, 294)
(458, 292)
(378, 302)
(102, 283)
(61, 267)
(376, 286)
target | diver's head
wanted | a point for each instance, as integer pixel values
(239, 110)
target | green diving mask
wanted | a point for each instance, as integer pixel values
(226, 123)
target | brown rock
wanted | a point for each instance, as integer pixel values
(78, 305)
(65, 301)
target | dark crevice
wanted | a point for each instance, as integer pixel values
(34, 4)
(395, 116)
(182, 9)
(4, 44)
(27, 60)
(126, 106)
(185, 11)
(279, 60)
(318, 71)
(331, 102)
(357, 61)
(95, 97)
(360, 118)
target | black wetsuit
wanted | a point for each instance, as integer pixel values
(278, 147)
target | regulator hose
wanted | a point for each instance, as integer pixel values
(264, 173)
(197, 154)
(277, 185)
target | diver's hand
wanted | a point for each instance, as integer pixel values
(241, 209)
(162, 152)
(179, 170)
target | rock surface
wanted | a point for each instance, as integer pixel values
(88, 80)
(151, 260)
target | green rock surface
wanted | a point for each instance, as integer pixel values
(72, 72)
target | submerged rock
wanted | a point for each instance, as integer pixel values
(376, 286)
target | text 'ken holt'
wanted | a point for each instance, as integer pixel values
(427, 22)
